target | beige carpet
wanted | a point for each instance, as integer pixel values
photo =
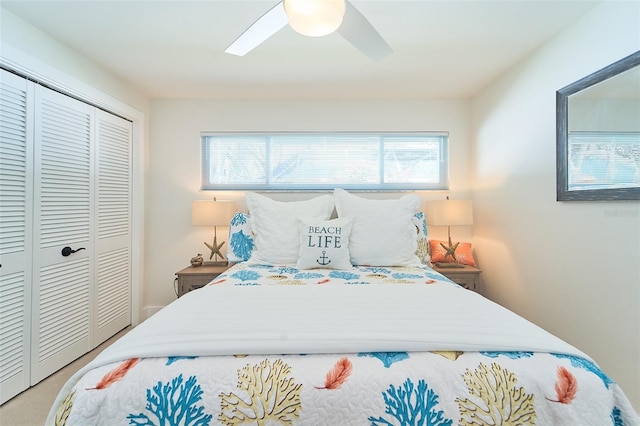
(30, 408)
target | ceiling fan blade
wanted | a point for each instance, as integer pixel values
(266, 26)
(359, 32)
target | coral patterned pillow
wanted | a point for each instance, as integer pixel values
(241, 242)
(422, 236)
(462, 253)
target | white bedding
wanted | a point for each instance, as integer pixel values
(368, 310)
(328, 318)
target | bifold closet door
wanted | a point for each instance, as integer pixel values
(16, 192)
(63, 223)
(65, 230)
(112, 298)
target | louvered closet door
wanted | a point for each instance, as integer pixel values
(16, 157)
(112, 310)
(63, 217)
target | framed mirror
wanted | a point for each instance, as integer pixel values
(598, 134)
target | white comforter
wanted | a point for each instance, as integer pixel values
(261, 310)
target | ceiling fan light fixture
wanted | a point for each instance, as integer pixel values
(314, 18)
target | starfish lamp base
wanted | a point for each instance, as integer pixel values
(450, 252)
(215, 252)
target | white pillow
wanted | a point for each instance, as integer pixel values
(274, 225)
(383, 233)
(325, 244)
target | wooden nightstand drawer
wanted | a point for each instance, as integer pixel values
(468, 277)
(192, 278)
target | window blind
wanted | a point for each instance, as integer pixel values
(323, 161)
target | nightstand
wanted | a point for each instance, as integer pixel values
(468, 277)
(191, 278)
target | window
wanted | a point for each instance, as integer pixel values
(604, 160)
(315, 161)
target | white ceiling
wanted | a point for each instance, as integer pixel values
(174, 49)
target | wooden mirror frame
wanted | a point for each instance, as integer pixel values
(562, 135)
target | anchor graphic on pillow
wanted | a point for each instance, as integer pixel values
(325, 260)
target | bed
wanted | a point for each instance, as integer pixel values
(360, 340)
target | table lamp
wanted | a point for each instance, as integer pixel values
(449, 213)
(213, 213)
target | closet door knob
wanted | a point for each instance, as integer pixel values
(67, 251)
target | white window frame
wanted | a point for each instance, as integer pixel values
(212, 181)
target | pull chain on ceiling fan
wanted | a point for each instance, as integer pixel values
(314, 18)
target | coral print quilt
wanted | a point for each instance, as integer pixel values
(272, 345)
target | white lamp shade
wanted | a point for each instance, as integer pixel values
(314, 18)
(212, 212)
(449, 213)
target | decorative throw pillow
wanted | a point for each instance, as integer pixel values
(274, 225)
(462, 253)
(383, 233)
(422, 251)
(325, 244)
(241, 242)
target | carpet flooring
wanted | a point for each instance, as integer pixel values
(30, 408)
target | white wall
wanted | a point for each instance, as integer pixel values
(45, 58)
(174, 167)
(570, 267)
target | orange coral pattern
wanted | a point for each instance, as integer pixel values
(116, 374)
(338, 374)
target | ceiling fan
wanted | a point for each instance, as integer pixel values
(314, 18)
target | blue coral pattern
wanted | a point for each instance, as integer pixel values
(246, 275)
(253, 274)
(172, 359)
(173, 403)
(411, 405)
(387, 358)
(241, 243)
(512, 355)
